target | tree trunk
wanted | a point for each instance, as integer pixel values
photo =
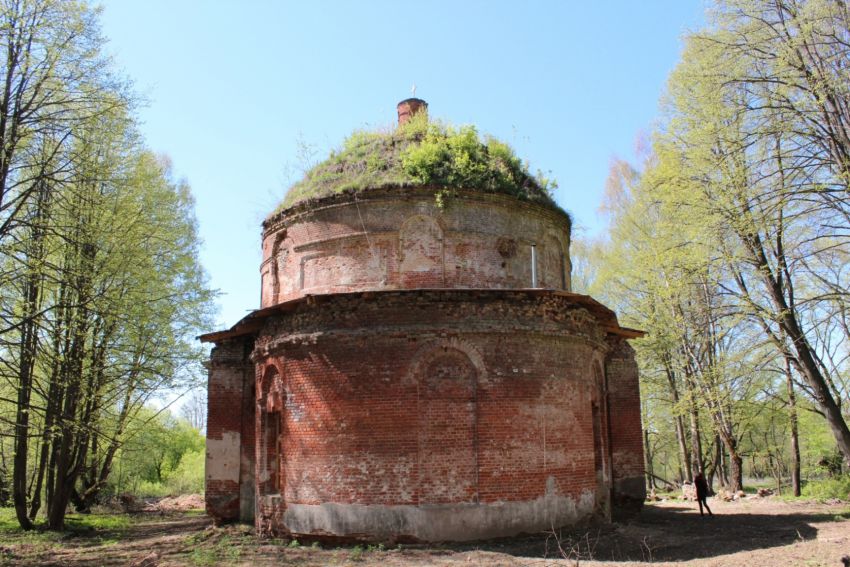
(65, 473)
(35, 503)
(19, 463)
(736, 472)
(736, 469)
(73, 446)
(716, 465)
(724, 466)
(647, 459)
(32, 296)
(805, 360)
(680, 425)
(22, 428)
(91, 490)
(685, 471)
(696, 441)
(795, 439)
(46, 438)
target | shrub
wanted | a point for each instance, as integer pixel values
(188, 477)
(422, 153)
(837, 487)
(148, 489)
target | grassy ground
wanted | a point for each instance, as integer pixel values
(752, 531)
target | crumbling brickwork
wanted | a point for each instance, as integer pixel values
(626, 429)
(402, 381)
(445, 429)
(402, 240)
(230, 431)
(434, 415)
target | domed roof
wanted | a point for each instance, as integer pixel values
(421, 153)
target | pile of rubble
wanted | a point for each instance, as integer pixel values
(181, 503)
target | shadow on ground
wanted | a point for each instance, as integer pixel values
(667, 532)
(664, 534)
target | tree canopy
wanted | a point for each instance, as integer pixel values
(101, 290)
(730, 241)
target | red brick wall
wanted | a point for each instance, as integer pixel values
(442, 398)
(625, 419)
(230, 431)
(401, 240)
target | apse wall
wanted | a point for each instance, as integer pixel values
(432, 416)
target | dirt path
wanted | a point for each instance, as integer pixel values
(750, 532)
(164, 535)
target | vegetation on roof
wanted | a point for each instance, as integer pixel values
(423, 153)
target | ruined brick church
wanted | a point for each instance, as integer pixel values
(420, 370)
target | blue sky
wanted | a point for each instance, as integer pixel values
(234, 89)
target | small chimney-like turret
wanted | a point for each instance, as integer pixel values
(408, 107)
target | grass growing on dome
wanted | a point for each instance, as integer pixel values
(422, 153)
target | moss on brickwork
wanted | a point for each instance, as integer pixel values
(422, 153)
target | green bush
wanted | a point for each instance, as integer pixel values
(163, 456)
(422, 153)
(148, 489)
(838, 487)
(188, 477)
(456, 158)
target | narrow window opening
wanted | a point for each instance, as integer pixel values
(598, 444)
(272, 443)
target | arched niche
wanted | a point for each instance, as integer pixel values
(447, 381)
(420, 248)
(430, 349)
(448, 374)
(269, 394)
(268, 435)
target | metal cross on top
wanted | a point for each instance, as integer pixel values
(413, 90)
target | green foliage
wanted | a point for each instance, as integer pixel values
(8, 522)
(162, 456)
(729, 244)
(80, 523)
(817, 444)
(188, 476)
(423, 153)
(212, 550)
(356, 553)
(829, 488)
(101, 290)
(203, 557)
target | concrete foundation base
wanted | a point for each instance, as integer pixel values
(449, 522)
